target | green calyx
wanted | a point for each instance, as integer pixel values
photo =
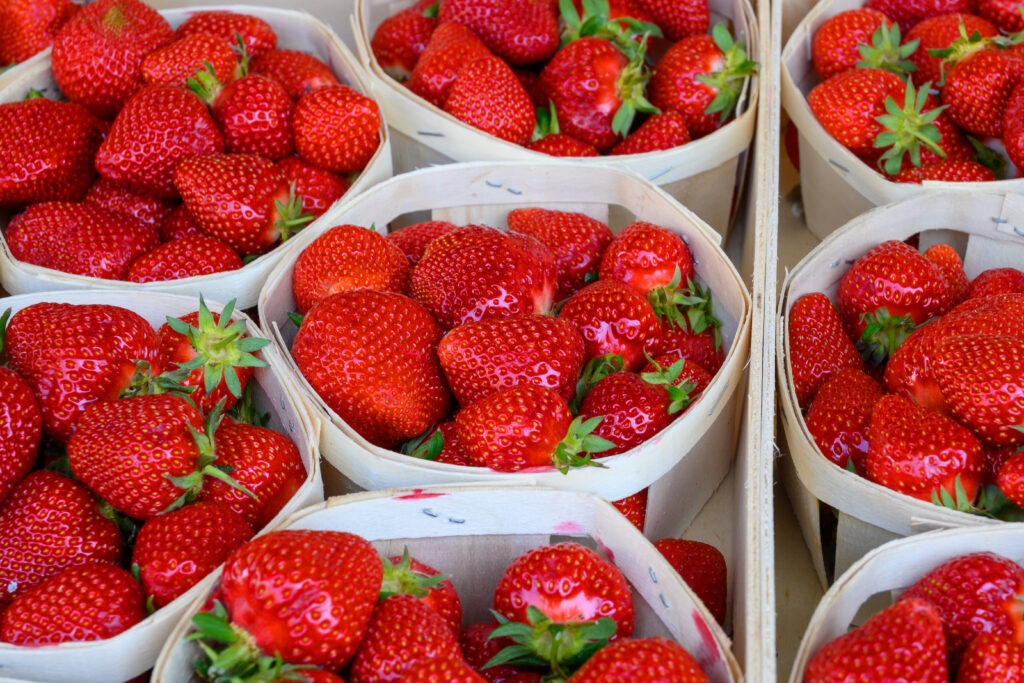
(426, 446)
(960, 501)
(239, 48)
(883, 335)
(908, 129)
(593, 372)
(204, 84)
(400, 579)
(290, 216)
(961, 47)
(596, 22)
(680, 396)
(34, 94)
(691, 309)
(245, 410)
(989, 158)
(729, 81)
(579, 444)
(631, 88)
(886, 52)
(547, 123)
(431, 12)
(4, 318)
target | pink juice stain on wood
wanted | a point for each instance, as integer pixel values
(709, 656)
(568, 528)
(419, 494)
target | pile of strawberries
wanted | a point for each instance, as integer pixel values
(123, 482)
(960, 623)
(181, 152)
(944, 102)
(570, 78)
(915, 377)
(561, 612)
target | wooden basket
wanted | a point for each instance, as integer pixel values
(682, 465)
(836, 185)
(467, 533)
(134, 651)
(295, 30)
(705, 175)
(988, 231)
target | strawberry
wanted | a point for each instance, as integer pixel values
(978, 88)
(646, 257)
(576, 240)
(175, 63)
(451, 45)
(947, 171)
(902, 642)
(160, 126)
(478, 272)
(996, 281)
(254, 113)
(347, 257)
(400, 39)
(298, 72)
(118, 199)
(991, 658)
(407, 575)
(678, 19)
(952, 269)
(241, 199)
(441, 445)
(995, 458)
(487, 95)
(98, 53)
(659, 131)
(257, 35)
(414, 239)
(1010, 477)
(28, 27)
(612, 317)
(1013, 126)
(184, 257)
(73, 356)
(545, 434)
(175, 551)
(943, 33)
(1003, 13)
(318, 188)
(920, 453)
(517, 32)
(49, 522)
(908, 14)
(480, 358)
(179, 224)
(702, 566)
(818, 346)
(974, 594)
(267, 586)
(372, 358)
(479, 648)
(562, 145)
(653, 659)
(701, 77)
(835, 47)
(703, 348)
(634, 508)
(441, 670)
(840, 415)
(21, 425)
(92, 601)
(47, 151)
(336, 128)
(848, 104)
(402, 632)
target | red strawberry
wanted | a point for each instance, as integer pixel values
(634, 508)
(46, 152)
(451, 45)
(818, 346)
(835, 46)
(518, 32)
(916, 451)
(257, 35)
(646, 659)
(175, 551)
(974, 594)
(184, 257)
(703, 348)
(1003, 13)
(1013, 126)
(21, 425)
(179, 224)
(118, 199)
(488, 96)
(401, 38)
(441, 670)
(318, 188)
(990, 659)
(480, 358)
(49, 522)
(298, 72)
(92, 601)
(978, 88)
(840, 416)
(996, 281)
(442, 445)
(576, 240)
(402, 632)
(614, 318)
(848, 104)
(97, 54)
(994, 460)
(158, 128)
(702, 567)
(478, 648)
(347, 257)
(372, 358)
(28, 27)
(562, 145)
(942, 32)
(1010, 478)
(414, 239)
(407, 575)
(659, 131)
(678, 19)
(689, 373)
(647, 256)
(241, 199)
(478, 272)
(254, 113)
(952, 269)
(177, 62)
(908, 13)
(336, 128)
(947, 171)
(902, 642)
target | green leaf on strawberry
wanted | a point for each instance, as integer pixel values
(730, 80)
(593, 372)
(886, 52)
(579, 444)
(883, 334)
(423, 447)
(564, 647)
(907, 129)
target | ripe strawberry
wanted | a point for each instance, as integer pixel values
(318, 188)
(257, 35)
(646, 659)
(952, 269)
(184, 257)
(646, 256)
(479, 648)
(818, 346)
(174, 551)
(372, 358)
(917, 451)
(703, 348)
(848, 104)
(702, 567)
(347, 257)
(996, 281)
(974, 594)
(451, 45)
(441, 670)
(28, 27)
(158, 128)
(991, 658)
(634, 508)
(1010, 477)
(1003, 13)
(49, 522)
(487, 95)
(92, 601)
(118, 199)
(401, 38)
(840, 415)
(942, 32)
(98, 53)
(407, 575)
(441, 445)
(1013, 125)
(908, 14)
(179, 224)
(612, 317)
(659, 131)
(835, 47)
(901, 642)
(414, 239)
(517, 32)
(177, 62)
(21, 425)
(995, 458)
(73, 356)
(298, 72)
(678, 19)
(47, 151)
(947, 171)
(562, 145)
(480, 358)
(241, 199)
(978, 88)
(478, 272)
(336, 128)
(254, 113)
